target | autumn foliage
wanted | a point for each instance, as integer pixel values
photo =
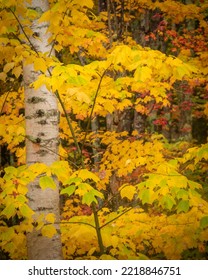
(131, 81)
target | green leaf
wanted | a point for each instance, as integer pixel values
(11, 170)
(90, 197)
(21, 199)
(72, 181)
(182, 194)
(194, 185)
(168, 202)
(173, 162)
(47, 182)
(145, 196)
(21, 169)
(8, 235)
(204, 222)
(9, 211)
(183, 206)
(83, 188)
(26, 211)
(203, 152)
(69, 190)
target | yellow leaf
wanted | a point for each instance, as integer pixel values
(84, 174)
(108, 105)
(3, 76)
(106, 257)
(8, 67)
(40, 65)
(8, 235)
(114, 241)
(45, 16)
(39, 221)
(143, 74)
(128, 161)
(22, 189)
(61, 169)
(32, 14)
(180, 72)
(121, 55)
(181, 181)
(50, 218)
(123, 104)
(83, 232)
(83, 189)
(38, 168)
(17, 71)
(82, 97)
(128, 192)
(91, 251)
(42, 80)
(86, 3)
(141, 109)
(20, 131)
(48, 231)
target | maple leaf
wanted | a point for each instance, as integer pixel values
(143, 74)
(128, 192)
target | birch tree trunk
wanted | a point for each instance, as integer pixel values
(41, 114)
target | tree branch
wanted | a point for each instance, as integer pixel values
(28, 39)
(93, 106)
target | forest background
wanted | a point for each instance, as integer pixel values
(103, 129)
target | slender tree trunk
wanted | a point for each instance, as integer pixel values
(96, 143)
(41, 114)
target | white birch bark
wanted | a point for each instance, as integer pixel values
(41, 113)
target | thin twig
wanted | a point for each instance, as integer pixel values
(28, 39)
(93, 106)
(67, 222)
(124, 212)
(71, 128)
(2, 108)
(54, 42)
